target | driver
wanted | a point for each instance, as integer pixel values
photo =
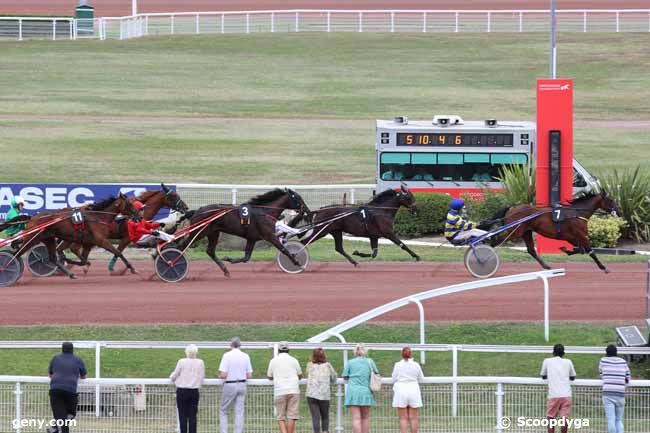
(143, 233)
(17, 205)
(456, 227)
(282, 229)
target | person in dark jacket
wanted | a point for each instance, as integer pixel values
(64, 371)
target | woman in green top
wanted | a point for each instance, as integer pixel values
(17, 204)
(358, 396)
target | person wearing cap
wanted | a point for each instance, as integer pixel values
(457, 228)
(188, 377)
(65, 370)
(17, 205)
(235, 369)
(144, 233)
(285, 372)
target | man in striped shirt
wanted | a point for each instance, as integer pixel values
(615, 375)
(456, 228)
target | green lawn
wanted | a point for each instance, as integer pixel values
(155, 363)
(289, 108)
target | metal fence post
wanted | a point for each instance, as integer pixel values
(146, 25)
(618, 21)
(584, 22)
(489, 22)
(360, 22)
(456, 26)
(547, 307)
(171, 22)
(422, 332)
(18, 393)
(353, 198)
(392, 22)
(223, 23)
(339, 407)
(71, 26)
(198, 26)
(20, 29)
(234, 196)
(98, 367)
(454, 385)
(329, 21)
(272, 22)
(424, 22)
(499, 395)
(54, 29)
(248, 23)
(521, 22)
(297, 28)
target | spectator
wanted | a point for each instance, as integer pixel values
(188, 378)
(64, 371)
(559, 372)
(406, 391)
(615, 374)
(235, 369)
(284, 370)
(358, 396)
(320, 376)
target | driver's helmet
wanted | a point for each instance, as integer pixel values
(138, 205)
(16, 201)
(457, 204)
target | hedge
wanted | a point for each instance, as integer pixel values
(430, 218)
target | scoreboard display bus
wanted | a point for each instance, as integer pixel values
(451, 156)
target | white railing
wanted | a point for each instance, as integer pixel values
(146, 405)
(306, 20)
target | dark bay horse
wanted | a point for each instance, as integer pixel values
(259, 224)
(373, 220)
(93, 231)
(572, 229)
(153, 201)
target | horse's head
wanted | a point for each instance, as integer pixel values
(124, 206)
(297, 203)
(407, 199)
(173, 200)
(608, 204)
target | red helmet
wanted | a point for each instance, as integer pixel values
(138, 205)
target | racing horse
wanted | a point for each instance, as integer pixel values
(89, 226)
(253, 221)
(153, 201)
(571, 226)
(372, 220)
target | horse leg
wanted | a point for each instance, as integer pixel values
(373, 246)
(248, 252)
(594, 257)
(530, 247)
(397, 241)
(213, 239)
(585, 247)
(108, 246)
(124, 242)
(338, 246)
(60, 265)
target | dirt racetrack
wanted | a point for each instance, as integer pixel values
(327, 292)
(123, 7)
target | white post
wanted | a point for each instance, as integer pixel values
(521, 21)
(71, 25)
(499, 394)
(297, 29)
(422, 336)
(584, 22)
(456, 28)
(134, 7)
(547, 296)
(345, 352)
(489, 22)
(171, 21)
(275, 350)
(392, 22)
(360, 22)
(454, 385)
(18, 393)
(329, 21)
(198, 28)
(104, 29)
(54, 29)
(272, 22)
(98, 366)
(248, 23)
(223, 22)
(618, 21)
(146, 25)
(339, 408)
(424, 22)
(234, 196)
(353, 200)
(20, 29)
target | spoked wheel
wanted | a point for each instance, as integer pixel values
(38, 262)
(301, 254)
(482, 261)
(11, 268)
(171, 265)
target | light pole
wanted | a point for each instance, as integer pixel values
(553, 60)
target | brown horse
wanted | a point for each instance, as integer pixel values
(372, 220)
(572, 227)
(92, 228)
(153, 201)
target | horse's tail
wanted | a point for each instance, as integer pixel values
(496, 220)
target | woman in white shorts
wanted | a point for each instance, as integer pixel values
(406, 391)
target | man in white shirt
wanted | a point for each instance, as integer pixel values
(559, 372)
(285, 372)
(235, 369)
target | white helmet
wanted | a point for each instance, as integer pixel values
(17, 200)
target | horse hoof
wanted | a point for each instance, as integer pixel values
(134, 272)
(356, 264)
(72, 276)
(607, 271)
(417, 258)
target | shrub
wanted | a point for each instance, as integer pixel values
(479, 209)
(604, 232)
(631, 191)
(432, 212)
(519, 189)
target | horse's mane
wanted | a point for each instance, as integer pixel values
(267, 197)
(146, 195)
(583, 198)
(383, 196)
(102, 204)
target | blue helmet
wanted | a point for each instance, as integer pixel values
(457, 204)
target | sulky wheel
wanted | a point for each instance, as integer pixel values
(302, 256)
(38, 262)
(171, 265)
(11, 268)
(482, 261)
